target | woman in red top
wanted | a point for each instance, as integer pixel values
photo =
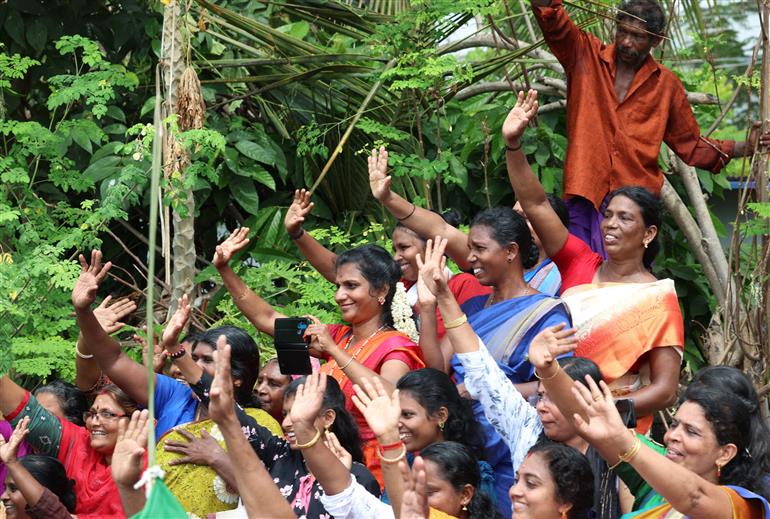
(407, 244)
(367, 346)
(628, 321)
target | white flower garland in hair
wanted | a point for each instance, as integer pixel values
(402, 313)
(220, 489)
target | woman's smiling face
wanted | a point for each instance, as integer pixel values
(357, 300)
(102, 422)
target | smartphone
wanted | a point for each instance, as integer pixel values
(627, 410)
(291, 345)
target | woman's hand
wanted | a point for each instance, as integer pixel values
(84, 292)
(379, 180)
(381, 410)
(126, 464)
(519, 117)
(225, 250)
(414, 504)
(298, 211)
(221, 400)
(158, 353)
(321, 340)
(202, 450)
(109, 315)
(308, 400)
(334, 445)
(604, 426)
(432, 273)
(170, 338)
(550, 344)
(9, 449)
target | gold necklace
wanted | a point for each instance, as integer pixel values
(493, 298)
(353, 355)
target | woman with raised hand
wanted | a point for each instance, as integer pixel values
(639, 358)
(369, 345)
(128, 460)
(37, 486)
(540, 273)
(519, 424)
(406, 246)
(175, 403)
(85, 452)
(705, 470)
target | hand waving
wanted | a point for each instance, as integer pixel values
(379, 180)
(298, 211)
(225, 250)
(381, 410)
(84, 292)
(604, 425)
(334, 445)
(309, 400)
(109, 314)
(550, 344)
(519, 117)
(126, 463)
(432, 277)
(175, 325)
(414, 504)
(221, 399)
(9, 449)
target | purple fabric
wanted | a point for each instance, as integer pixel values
(585, 222)
(6, 430)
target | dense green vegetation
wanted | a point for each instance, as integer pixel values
(282, 83)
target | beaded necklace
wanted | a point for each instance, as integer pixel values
(354, 354)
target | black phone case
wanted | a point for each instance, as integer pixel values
(291, 347)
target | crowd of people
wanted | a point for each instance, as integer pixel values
(524, 385)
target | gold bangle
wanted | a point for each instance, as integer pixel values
(631, 453)
(342, 368)
(82, 355)
(390, 461)
(456, 323)
(311, 442)
(558, 368)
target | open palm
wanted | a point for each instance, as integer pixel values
(176, 324)
(432, 273)
(518, 118)
(309, 399)
(84, 291)
(9, 449)
(221, 399)
(379, 180)
(381, 410)
(298, 211)
(225, 250)
(550, 344)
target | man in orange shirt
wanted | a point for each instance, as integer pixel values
(621, 105)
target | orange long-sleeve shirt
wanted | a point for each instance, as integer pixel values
(613, 144)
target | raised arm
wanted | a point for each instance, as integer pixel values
(322, 259)
(127, 458)
(603, 428)
(255, 485)
(425, 223)
(437, 353)
(128, 375)
(254, 308)
(529, 192)
(110, 315)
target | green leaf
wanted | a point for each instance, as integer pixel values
(705, 180)
(14, 26)
(102, 168)
(262, 176)
(116, 113)
(256, 152)
(37, 34)
(297, 29)
(245, 193)
(79, 135)
(147, 107)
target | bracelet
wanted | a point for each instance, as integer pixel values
(558, 368)
(299, 235)
(81, 355)
(178, 354)
(631, 453)
(512, 149)
(456, 323)
(391, 461)
(391, 446)
(414, 208)
(342, 368)
(311, 442)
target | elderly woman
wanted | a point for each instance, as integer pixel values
(638, 357)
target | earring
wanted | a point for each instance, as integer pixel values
(441, 425)
(646, 244)
(465, 508)
(564, 515)
(381, 300)
(719, 471)
(510, 260)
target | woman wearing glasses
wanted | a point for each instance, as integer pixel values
(85, 452)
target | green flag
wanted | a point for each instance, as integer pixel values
(161, 504)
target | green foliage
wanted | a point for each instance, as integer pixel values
(13, 67)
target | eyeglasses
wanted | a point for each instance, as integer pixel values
(535, 399)
(105, 416)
